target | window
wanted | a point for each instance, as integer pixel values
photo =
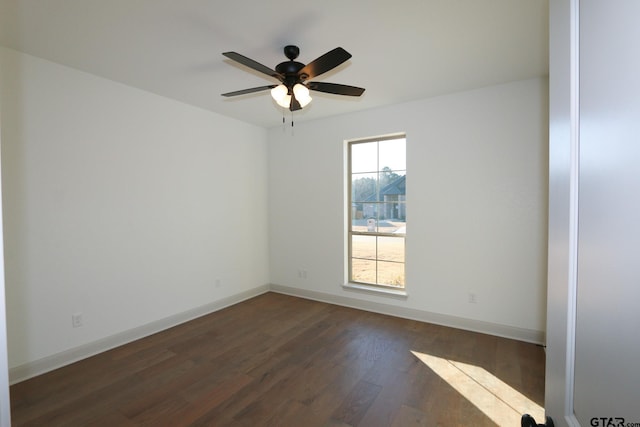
(377, 212)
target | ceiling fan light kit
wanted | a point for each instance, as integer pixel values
(293, 93)
(281, 95)
(302, 94)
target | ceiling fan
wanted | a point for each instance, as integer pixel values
(293, 91)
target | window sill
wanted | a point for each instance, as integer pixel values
(398, 293)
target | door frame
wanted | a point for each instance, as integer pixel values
(5, 402)
(564, 145)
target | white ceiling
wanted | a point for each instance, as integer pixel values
(402, 50)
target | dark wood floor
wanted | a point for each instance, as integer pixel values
(284, 361)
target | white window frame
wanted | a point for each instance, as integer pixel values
(366, 286)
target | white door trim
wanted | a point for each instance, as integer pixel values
(564, 150)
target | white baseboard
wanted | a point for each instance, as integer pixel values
(58, 360)
(520, 334)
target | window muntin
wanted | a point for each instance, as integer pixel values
(377, 212)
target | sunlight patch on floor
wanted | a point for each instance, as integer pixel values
(499, 401)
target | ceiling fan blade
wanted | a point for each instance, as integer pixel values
(248, 62)
(246, 91)
(335, 88)
(326, 62)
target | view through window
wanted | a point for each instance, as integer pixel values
(377, 212)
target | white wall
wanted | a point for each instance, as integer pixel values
(476, 210)
(120, 204)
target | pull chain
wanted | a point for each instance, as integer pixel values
(284, 121)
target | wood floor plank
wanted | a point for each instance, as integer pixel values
(277, 360)
(357, 403)
(207, 399)
(409, 417)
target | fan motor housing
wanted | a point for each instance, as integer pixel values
(289, 68)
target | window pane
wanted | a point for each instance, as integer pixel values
(393, 154)
(402, 212)
(391, 248)
(364, 187)
(363, 271)
(356, 214)
(364, 157)
(387, 212)
(363, 246)
(385, 226)
(363, 217)
(392, 186)
(391, 273)
(370, 221)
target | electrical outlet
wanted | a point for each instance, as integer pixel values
(473, 298)
(76, 320)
